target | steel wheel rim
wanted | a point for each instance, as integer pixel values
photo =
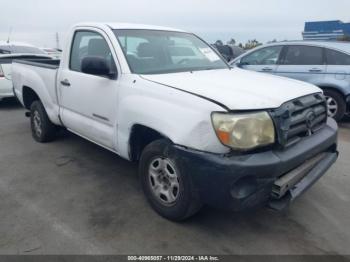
(164, 181)
(332, 106)
(37, 123)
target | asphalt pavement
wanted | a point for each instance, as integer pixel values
(73, 197)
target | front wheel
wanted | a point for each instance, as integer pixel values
(43, 130)
(335, 104)
(167, 186)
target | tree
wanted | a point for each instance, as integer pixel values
(219, 42)
(231, 42)
(273, 41)
(252, 44)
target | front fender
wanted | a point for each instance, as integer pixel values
(184, 118)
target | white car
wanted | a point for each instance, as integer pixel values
(203, 133)
(9, 52)
(6, 87)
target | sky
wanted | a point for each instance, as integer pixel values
(37, 21)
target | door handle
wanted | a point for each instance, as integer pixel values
(315, 70)
(65, 82)
(267, 69)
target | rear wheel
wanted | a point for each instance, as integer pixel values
(166, 184)
(336, 104)
(43, 130)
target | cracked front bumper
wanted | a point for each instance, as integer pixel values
(246, 181)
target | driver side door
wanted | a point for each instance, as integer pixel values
(89, 102)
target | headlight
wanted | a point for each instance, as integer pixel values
(244, 131)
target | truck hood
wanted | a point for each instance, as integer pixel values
(237, 89)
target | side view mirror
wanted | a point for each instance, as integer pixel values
(241, 64)
(98, 66)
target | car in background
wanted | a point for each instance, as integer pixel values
(54, 52)
(325, 64)
(9, 52)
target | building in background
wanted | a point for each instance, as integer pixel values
(326, 30)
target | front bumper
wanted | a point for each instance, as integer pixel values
(246, 181)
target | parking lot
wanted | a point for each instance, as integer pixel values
(72, 197)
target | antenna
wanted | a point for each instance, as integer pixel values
(10, 32)
(57, 41)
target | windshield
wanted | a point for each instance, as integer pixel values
(16, 49)
(157, 52)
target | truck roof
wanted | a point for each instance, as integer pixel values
(131, 26)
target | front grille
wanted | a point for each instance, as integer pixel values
(300, 118)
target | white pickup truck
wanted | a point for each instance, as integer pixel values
(202, 132)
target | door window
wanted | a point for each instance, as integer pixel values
(264, 56)
(87, 43)
(303, 55)
(337, 58)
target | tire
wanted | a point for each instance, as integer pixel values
(182, 201)
(336, 104)
(43, 130)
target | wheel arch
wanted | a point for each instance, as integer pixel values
(140, 137)
(343, 107)
(29, 96)
(333, 88)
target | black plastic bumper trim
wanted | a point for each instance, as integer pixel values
(240, 182)
(315, 174)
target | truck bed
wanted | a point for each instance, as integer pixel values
(40, 75)
(40, 62)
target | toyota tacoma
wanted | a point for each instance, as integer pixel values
(202, 132)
